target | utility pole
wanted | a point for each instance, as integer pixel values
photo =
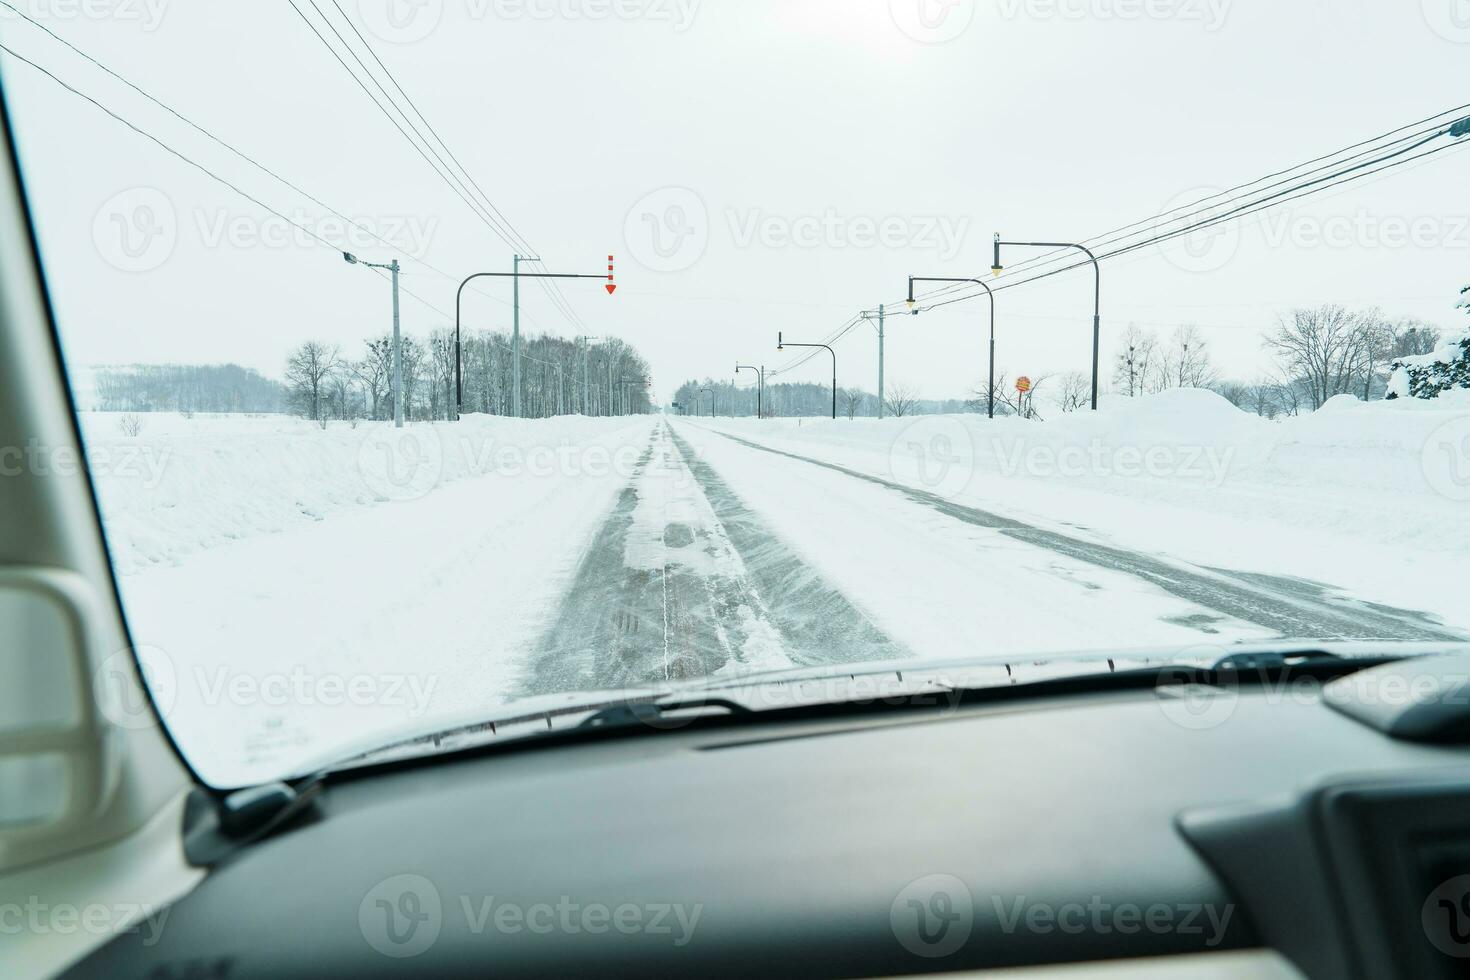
(882, 319)
(397, 353)
(515, 338)
(880, 361)
(394, 268)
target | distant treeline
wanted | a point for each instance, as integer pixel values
(794, 400)
(185, 388)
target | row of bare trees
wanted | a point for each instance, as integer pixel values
(558, 377)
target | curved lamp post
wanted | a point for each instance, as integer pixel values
(760, 386)
(989, 292)
(997, 269)
(782, 344)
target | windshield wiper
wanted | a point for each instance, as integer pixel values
(660, 715)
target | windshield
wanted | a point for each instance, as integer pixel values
(437, 361)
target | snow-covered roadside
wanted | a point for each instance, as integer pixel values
(1372, 499)
(305, 600)
(184, 485)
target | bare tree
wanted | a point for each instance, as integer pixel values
(307, 371)
(1136, 369)
(1076, 391)
(901, 400)
(1234, 392)
(853, 400)
(1329, 349)
(1187, 360)
(1413, 338)
(373, 373)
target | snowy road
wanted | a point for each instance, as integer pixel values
(683, 581)
(724, 554)
(289, 607)
(1287, 607)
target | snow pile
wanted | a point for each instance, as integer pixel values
(182, 485)
(1444, 371)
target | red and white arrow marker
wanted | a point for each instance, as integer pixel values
(612, 285)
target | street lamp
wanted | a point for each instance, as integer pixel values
(515, 274)
(760, 386)
(711, 393)
(392, 267)
(782, 343)
(997, 269)
(989, 292)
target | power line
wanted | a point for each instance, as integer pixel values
(1343, 175)
(240, 153)
(1375, 144)
(508, 233)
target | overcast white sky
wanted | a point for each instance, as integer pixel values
(689, 137)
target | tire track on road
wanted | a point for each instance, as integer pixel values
(1293, 608)
(682, 581)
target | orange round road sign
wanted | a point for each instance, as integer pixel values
(1023, 385)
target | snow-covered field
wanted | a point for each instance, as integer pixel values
(296, 590)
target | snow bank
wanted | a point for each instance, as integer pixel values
(182, 485)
